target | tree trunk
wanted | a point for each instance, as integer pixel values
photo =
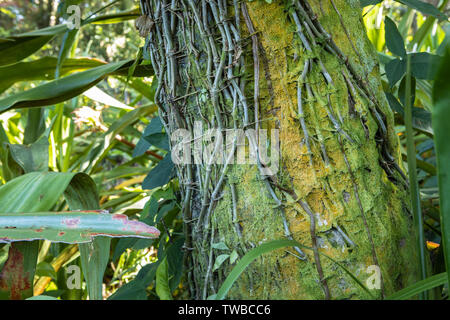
(306, 69)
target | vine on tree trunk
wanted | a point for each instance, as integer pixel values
(207, 55)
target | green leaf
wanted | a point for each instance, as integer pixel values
(233, 257)
(421, 118)
(220, 246)
(425, 8)
(174, 255)
(70, 226)
(114, 17)
(43, 69)
(136, 288)
(94, 259)
(219, 261)
(424, 65)
(441, 127)
(61, 89)
(393, 38)
(419, 287)
(159, 140)
(32, 192)
(45, 269)
(68, 41)
(35, 125)
(16, 48)
(31, 158)
(13, 50)
(395, 70)
(365, 3)
(162, 281)
(152, 136)
(38, 192)
(161, 174)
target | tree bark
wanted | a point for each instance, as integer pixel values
(306, 69)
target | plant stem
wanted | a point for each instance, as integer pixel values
(412, 171)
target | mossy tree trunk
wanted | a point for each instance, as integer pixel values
(307, 69)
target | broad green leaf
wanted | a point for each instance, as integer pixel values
(136, 288)
(15, 48)
(365, 3)
(70, 226)
(424, 64)
(394, 40)
(12, 50)
(162, 281)
(155, 218)
(68, 41)
(421, 118)
(159, 140)
(161, 174)
(42, 69)
(152, 136)
(395, 70)
(45, 269)
(141, 147)
(114, 17)
(38, 192)
(48, 31)
(61, 89)
(31, 158)
(174, 255)
(35, 125)
(425, 8)
(441, 127)
(419, 287)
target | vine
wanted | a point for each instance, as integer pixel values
(203, 53)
